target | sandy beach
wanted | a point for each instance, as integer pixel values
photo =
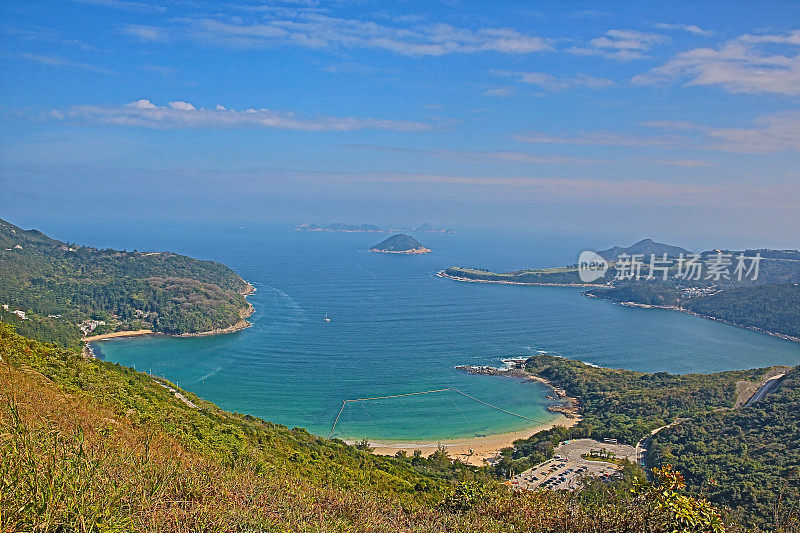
(132, 333)
(482, 447)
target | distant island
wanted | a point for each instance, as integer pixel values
(400, 244)
(370, 228)
(770, 303)
(64, 293)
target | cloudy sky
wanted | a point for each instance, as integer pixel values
(627, 118)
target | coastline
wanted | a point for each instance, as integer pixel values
(477, 451)
(699, 315)
(243, 323)
(443, 274)
(482, 448)
(119, 334)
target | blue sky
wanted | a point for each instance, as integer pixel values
(624, 118)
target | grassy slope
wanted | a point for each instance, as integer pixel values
(559, 275)
(91, 446)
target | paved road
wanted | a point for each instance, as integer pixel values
(765, 389)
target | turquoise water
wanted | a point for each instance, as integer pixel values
(398, 328)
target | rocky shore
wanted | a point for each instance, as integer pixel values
(413, 251)
(515, 368)
(243, 323)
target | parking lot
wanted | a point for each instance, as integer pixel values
(567, 468)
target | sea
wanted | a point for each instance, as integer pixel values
(396, 329)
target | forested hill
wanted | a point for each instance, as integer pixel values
(743, 458)
(747, 459)
(59, 286)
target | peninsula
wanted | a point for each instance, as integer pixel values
(400, 244)
(768, 300)
(727, 426)
(64, 293)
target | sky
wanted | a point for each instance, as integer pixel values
(676, 121)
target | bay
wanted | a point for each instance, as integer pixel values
(397, 328)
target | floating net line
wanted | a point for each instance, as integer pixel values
(451, 389)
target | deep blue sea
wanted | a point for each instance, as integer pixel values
(397, 328)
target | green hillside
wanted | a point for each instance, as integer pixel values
(746, 459)
(742, 458)
(93, 446)
(59, 285)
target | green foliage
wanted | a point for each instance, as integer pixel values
(674, 510)
(773, 308)
(641, 293)
(554, 276)
(747, 459)
(467, 495)
(58, 493)
(165, 292)
(627, 405)
(398, 243)
(92, 446)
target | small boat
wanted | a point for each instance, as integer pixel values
(326, 319)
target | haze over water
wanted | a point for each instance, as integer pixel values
(397, 328)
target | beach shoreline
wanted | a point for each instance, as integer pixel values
(477, 451)
(119, 334)
(243, 323)
(470, 450)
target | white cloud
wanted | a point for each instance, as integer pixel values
(553, 83)
(127, 5)
(741, 65)
(186, 106)
(691, 28)
(310, 29)
(775, 133)
(56, 61)
(148, 34)
(687, 163)
(501, 92)
(779, 132)
(621, 45)
(480, 156)
(602, 138)
(145, 114)
(615, 191)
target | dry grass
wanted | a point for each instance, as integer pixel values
(70, 465)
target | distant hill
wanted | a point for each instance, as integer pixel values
(58, 286)
(645, 247)
(400, 244)
(370, 228)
